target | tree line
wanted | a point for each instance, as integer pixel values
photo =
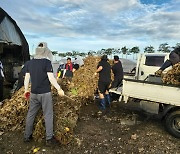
(124, 51)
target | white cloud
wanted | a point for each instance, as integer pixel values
(107, 20)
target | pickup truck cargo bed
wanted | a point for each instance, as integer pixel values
(155, 92)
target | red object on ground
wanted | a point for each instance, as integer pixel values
(27, 95)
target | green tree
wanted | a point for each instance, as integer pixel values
(91, 52)
(69, 54)
(118, 51)
(55, 53)
(124, 51)
(109, 51)
(100, 52)
(135, 50)
(164, 48)
(177, 45)
(62, 54)
(83, 54)
(75, 53)
(103, 51)
(149, 49)
(115, 51)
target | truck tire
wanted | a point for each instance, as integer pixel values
(172, 123)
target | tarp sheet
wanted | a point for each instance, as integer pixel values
(8, 33)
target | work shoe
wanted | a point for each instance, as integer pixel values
(101, 113)
(52, 142)
(29, 139)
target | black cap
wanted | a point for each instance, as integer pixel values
(116, 58)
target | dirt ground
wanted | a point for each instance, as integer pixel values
(123, 130)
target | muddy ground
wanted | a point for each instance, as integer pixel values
(125, 129)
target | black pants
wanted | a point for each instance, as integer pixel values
(1, 90)
(103, 86)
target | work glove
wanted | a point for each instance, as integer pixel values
(27, 95)
(94, 75)
(61, 92)
(158, 72)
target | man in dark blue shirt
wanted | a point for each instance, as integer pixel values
(118, 72)
(104, 70)
(40, 71)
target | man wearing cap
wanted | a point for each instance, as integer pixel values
(118, 72)
(174, 58)
(104, 70)
(40, 71)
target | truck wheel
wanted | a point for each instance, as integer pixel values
(172, 123)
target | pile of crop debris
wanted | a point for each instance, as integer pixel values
(13, 114)
(66, 109)
(84, 80)
(172, 76)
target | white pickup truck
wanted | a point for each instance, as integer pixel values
(153, 96)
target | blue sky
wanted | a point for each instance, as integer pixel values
(85, 25)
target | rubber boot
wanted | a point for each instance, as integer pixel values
(108, 100)
(102, 104)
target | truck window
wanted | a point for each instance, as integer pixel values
(154, 60)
